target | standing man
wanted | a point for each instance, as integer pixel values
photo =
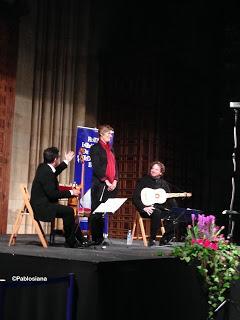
(104, 180)
(45, 195)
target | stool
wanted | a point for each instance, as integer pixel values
(140, 225)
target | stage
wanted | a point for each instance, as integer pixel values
(117, 282)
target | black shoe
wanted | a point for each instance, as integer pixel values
(98, 242)
(151, 243)
(165, 240)
(87, 243)
(79, 236)
(72, 243)
(105, 243)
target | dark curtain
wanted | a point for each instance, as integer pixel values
(163, 88)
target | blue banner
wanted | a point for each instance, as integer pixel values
(86, 137)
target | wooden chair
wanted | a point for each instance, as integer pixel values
(142, 225)
(27, 211)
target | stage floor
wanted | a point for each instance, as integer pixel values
(117, 250)
(114, 282)
(110, 282)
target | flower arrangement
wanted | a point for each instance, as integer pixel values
(217, 260)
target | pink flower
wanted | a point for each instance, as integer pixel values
(214, 246)
(205, 233)
(200, 241)
(207, 243)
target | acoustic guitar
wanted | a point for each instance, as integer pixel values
(150, 196)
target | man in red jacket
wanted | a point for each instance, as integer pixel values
(104, 179)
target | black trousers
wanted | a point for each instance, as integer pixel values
(99, 194)
(71, 229)
(156, 218)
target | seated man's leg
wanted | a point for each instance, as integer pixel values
(156, 217)
(155, 225)
(72, 232)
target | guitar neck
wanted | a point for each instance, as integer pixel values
(176, 195)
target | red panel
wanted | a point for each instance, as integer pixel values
(8, 45)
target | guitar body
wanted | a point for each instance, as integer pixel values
(150, 196)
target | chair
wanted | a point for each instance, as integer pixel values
(144, 224)
(27, 211)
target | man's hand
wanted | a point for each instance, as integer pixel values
(149, 210)
(69, 156)
(111, 186)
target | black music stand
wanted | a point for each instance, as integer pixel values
(176, 221)
(110, 206)
(182, 215)
(231, 222)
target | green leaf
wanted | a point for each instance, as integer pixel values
(218, 268)
(221, 299)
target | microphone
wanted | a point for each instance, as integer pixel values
(230, 212)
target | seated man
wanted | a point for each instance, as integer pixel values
(156, 211)
(45, 195)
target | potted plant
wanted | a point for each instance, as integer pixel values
(216, 259)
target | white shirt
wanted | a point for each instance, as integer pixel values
(54, 170)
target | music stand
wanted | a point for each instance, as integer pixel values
(231, 222)
(176, 222)
(235, 106)
(110, 206)
(181, 215)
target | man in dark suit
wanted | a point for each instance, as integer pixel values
(45, 195)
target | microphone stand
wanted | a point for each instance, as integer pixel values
(231, 222)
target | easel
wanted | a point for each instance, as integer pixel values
(74, 201)
(80, 187)
(80, 210)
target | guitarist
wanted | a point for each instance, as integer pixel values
(155, 212)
